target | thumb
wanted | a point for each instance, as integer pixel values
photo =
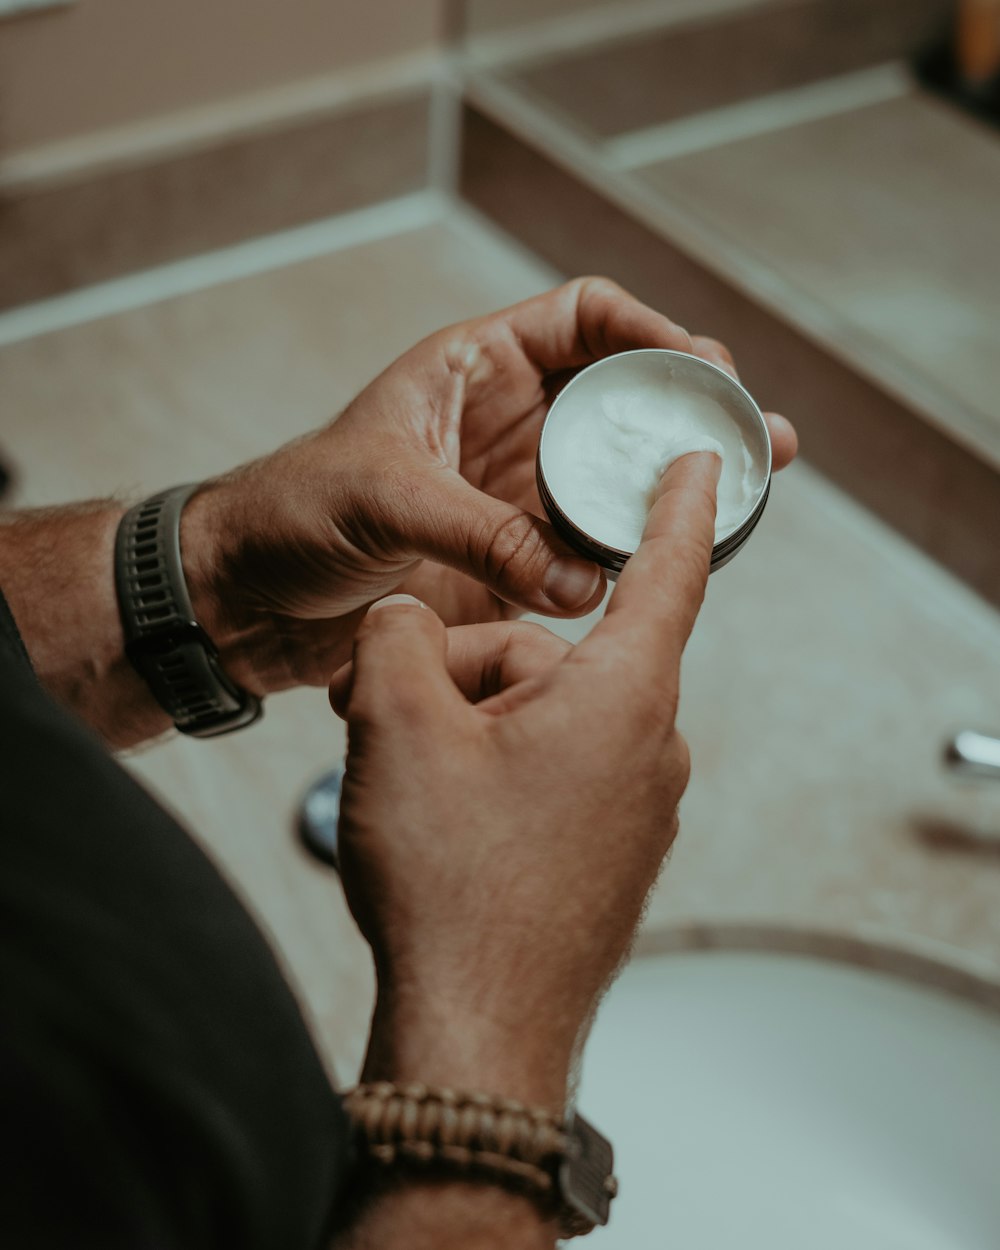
(516, 555)
(398, 679)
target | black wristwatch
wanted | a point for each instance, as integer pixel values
(162, 638)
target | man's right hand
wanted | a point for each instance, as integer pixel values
(507, 805)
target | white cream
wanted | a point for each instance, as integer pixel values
(612, 435)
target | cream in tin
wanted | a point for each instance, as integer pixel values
(615, 429)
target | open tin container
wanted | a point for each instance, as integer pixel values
(675, 370)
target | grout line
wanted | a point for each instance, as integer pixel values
(561, 143)
(474, 225)
(444, 141)
(760, 115)
(558, 37)
(15, 8)
(206, 125)
(243, 260)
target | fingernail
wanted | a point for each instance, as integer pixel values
(570, 583)
(397, 601)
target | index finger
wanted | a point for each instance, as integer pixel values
(660, 591)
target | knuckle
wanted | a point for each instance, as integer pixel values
(366, 710)
(715, 353)
(680, 761)
(715, 347)
(685, 336)
(651, 706)
(599, 284)
(532, 646)
(389, 503)
(597, 288)
(667, 764)
(510, 545)
(534, 638)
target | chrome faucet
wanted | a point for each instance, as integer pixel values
(973, 754)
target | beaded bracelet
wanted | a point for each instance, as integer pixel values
(472, 1135)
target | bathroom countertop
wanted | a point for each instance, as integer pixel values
(831, 665)
(828, 665)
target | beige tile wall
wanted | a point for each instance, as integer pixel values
(660, 75)
(105, 63)
(59, 237)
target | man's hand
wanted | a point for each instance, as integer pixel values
(426, 484)
(507, 805)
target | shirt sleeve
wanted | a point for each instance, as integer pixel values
(158, 1085)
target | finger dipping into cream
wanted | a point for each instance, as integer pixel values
(615, 429)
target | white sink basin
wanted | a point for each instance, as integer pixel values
(779, 1102)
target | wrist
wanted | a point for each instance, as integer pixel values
(245, 639)
(435, 1044)
(423, 1213)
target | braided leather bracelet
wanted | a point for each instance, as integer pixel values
(475, 1135)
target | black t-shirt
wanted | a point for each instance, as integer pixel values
(158, 1088)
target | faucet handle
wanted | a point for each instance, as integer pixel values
(973, 754)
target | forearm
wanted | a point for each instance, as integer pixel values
(57, 574)
(419, 1215)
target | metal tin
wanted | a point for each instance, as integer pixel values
(696, 375)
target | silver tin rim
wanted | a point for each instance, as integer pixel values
(613, 559)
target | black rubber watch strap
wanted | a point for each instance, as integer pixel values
(162, 638)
